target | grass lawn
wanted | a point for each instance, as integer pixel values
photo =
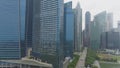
(118, 57)
(107, 65)
(109, 56)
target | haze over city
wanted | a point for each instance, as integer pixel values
(59, 34)
(97, 6)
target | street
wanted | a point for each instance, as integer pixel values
(81, 62)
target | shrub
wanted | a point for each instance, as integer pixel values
(74, 62)
(91, 57)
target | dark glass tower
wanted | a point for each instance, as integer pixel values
(69, 30)
(87, 28)
(47, 34)
(28, 24)
(22, 26)
(11, 29)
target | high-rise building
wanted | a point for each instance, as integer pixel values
(100, 23)
(92, 35)
(28, 25)
(29, 20)
(69, 30)
(110, 40)
(118, 27)
(11, 29)
(78, 28)
(103, 40)
(87, 28)
(47, 34)
(22, 13)
(109, 21)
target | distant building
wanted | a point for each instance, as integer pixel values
(118, 26)
(12, 29)
(103, 40)
(47, 34)
(109, 21)
(110, 40)
(113, 40)
(78, 28)
(92, 35)
(99, 26)
(87, 28)
(69, 30)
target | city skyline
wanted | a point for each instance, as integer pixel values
(97, 6)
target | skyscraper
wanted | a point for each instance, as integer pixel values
(29, 20)
(118, 27)
(28, 25)
(110, 40)
(78, 28)
(22, 26)
(47, 34)
(109, 21)
(100, 23)
(87, 28)
(69, 30)
(11, 33)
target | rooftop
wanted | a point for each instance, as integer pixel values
(28, 62)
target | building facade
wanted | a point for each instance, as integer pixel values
(47, 34)
(87, 28)
(99, 26)
(103, 40)
(22, 27)
(109, 21)
(78, 28)
(69, 30)
(28, 24)
(11, 29)
(110, 40)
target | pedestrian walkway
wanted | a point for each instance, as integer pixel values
(97, 63)
(81, 62)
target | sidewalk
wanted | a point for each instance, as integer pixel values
(97, 63)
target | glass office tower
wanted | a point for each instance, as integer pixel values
(47, 34)
(28, 24)
(78, 28)
(22, 27)
(69, 30)
(99, 27)
(11, 29)
(87, 28)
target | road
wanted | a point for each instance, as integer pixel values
(81, 62)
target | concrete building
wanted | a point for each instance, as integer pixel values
(69, 30)
(24, 63)
(48, 33)
(78, 28)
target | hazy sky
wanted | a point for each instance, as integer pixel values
(97, 6)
